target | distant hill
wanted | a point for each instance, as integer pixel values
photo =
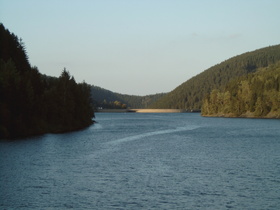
(108, 99)
(253, 95)
(190, 94)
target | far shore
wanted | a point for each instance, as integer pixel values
(159, 110)
(143, 110)
(244, 115)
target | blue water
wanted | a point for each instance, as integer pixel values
(146, 161)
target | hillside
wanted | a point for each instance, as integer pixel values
(32, 103)
(254, 95)
(108, 99)
(190, 94)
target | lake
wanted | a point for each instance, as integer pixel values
(146, 161)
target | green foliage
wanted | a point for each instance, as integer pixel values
(106, 99)
(112, 105)
(31, 103)
(190, 94)
(254, 95)
(70, 104)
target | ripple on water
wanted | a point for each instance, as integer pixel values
(146, 161)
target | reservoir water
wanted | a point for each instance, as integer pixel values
(146, 161)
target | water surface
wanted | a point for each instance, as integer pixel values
(146, 161)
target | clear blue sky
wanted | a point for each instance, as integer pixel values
(139, 46)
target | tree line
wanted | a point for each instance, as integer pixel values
(190, 94)
(253, 95)
(32, 103)
(111, 105)
(111, 100)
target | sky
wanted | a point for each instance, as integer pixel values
(139, 47)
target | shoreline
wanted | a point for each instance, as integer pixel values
(141, 111)
(246, 116)
(49, 131)
(159, 110)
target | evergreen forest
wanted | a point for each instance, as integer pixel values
(111, 100)
(32, 103)
(253, 95)
(191, 93)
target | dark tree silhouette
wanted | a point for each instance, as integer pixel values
(32, 103)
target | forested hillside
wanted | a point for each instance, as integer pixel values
(108, 99)
(32, 103)
(190, 94)
(254, 95)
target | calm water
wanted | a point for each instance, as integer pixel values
(146, 161)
